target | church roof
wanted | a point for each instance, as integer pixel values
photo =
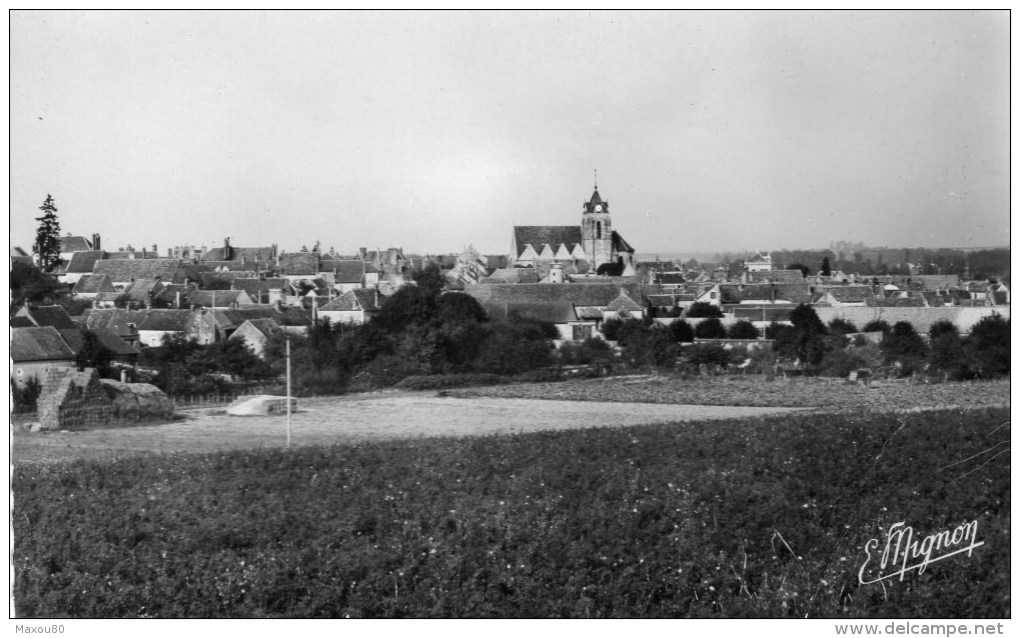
(539, 236)
(620, 245)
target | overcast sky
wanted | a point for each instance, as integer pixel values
(431, 131)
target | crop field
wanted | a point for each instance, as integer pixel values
(755, 517)
(815, 392)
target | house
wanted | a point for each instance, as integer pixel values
(89, 286)
(71, 244)
(197, 325)
(40, 316)
(469, 268)
(18, 255)
(255, 334)
(141, 292)
(844, 296)
(259, 258)
(785, 276)
(122, 351)
(759, 262)
(511, 276)
(353, 273)
(563, 315)
(80, 264)
(593, 242)
(267, 290)
(122, 322)
(298, 266)
(217, 298)
(37, 350)
(353, 306)
(122, 272)
(623, 307)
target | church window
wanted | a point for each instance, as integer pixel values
(598, 230)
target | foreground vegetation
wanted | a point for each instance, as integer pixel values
(764, 517)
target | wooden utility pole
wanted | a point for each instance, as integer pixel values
(288, 391)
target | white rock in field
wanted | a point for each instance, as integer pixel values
(261, 405)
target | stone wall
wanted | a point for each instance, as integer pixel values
(73, 400)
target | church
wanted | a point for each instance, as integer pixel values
(587, 247)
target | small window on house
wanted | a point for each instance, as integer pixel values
(20, 372)
(711, 295)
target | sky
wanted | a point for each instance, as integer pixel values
(431, 131)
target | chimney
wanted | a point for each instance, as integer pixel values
(95, 242)
(155, 250)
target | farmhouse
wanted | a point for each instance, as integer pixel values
(35, 351)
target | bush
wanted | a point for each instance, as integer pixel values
(988, 347)
(682, 331)
(711, 354)
(611, 329)
(710, 329)
(840, 363)
(590, 351)
(877, 325)
(842, 326)
(743, 329)
(904, 347)
(703, 309)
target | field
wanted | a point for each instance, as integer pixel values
(830, 395)
(760, 517)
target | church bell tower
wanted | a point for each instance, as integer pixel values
(597, 231)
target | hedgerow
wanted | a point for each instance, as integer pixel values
(756, 518)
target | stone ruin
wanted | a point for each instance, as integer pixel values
(73, 400)
(77, 400)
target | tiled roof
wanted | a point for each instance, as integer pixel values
(84, 261)
(299, 263)
(268, 327)
(897, 302)
(240, 253)
(349, 271)
(74, 244)
(121, 270)
(167, 320)
(354, 300)
(539, 236)
(669, 278)
(93, 284)
(118, 347)
(21, 322)
(661, 301)
(119, 320)
(511, 276)
(38, 344)
(752, 313)
(795, 276)
(550, 312)
(54, 316)
(851, 294)
(210, 278)
(579, 294)
(214, 298)
(620, 245)
(142, 290)
(623, 302)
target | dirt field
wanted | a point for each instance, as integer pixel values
(329, 420)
